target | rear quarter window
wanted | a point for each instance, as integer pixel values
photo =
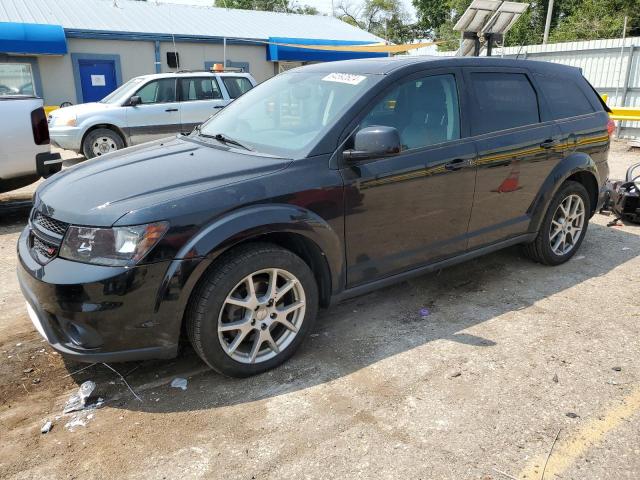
(565, 98)
(504, 100)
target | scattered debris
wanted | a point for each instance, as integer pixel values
(550, 451)
(179, 383)
(572, 415)
(35, 381)
(27, 370)
(125, 382)
(424, 312)
(580, 257)
(626, 248)
(46, 428)
(617, 369)
(78, 401)
(79, 419)
(78, 371)
(76, 422)
(555, 378)
(455, 374)
(504, 474)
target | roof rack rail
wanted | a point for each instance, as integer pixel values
(213, 69)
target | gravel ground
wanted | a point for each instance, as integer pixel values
(515, 361)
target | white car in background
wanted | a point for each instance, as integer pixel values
(25, 153)
(145, 108)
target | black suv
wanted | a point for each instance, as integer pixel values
(323, 183)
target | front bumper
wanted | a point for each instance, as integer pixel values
(99, 314)
(67, 138)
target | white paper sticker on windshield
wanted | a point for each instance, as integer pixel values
(344, 78)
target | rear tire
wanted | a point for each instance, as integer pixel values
(563, 227)
(101, 141)
(241, 321)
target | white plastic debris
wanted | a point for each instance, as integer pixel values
(46, 428)
(76, 422)
(78, 401)
(179, 383)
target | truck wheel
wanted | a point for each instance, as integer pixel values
(563, 227)
(101, 141)
(252, 310)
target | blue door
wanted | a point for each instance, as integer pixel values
(97, 79)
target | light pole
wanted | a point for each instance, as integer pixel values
(547, 24)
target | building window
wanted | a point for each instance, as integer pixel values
(16, 79)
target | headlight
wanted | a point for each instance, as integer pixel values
(65, 120)
(118, 246)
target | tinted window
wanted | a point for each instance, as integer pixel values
(564, 97)
(424, 111)
(158, 91)
(236, 86)
(505, 100)
(200, 88)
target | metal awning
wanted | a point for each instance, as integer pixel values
(282, 49)
(32, 38)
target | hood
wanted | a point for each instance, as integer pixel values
(83, 109)
(100, 191)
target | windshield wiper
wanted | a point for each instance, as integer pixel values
(222, 138)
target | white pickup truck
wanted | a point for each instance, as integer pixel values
(25, 154)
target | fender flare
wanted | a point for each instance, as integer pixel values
(574, 163)
(197, 255)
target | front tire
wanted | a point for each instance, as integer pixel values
(101, 141)
(563, 227)
(252, 310)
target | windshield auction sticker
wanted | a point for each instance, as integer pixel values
(344, 78)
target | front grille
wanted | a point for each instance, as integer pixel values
(45, 249)
(50, 224)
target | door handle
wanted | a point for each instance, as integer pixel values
(456, 164)
(171, 110)
(218, 106)
(550, 143)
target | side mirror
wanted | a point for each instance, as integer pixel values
(135, 100)
(372, 142)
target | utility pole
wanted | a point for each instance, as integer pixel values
(547, 24)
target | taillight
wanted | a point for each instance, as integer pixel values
(39, 127)
(611, 127)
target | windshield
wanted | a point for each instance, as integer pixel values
(117, 95)
(286, 115)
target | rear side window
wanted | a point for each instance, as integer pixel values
(505, 100)
(199, 88)
(236, 86)
(564, 96)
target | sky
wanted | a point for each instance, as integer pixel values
(324, 6)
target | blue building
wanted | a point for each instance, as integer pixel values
(68, 50)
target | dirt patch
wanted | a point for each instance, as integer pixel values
(481, 383)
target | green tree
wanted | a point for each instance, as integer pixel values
(571, 20)
(385, 18)
(268, 5)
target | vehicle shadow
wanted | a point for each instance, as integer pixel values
(366, 330)
(14, 215)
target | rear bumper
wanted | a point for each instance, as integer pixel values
(48, 163)
(98, 314)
